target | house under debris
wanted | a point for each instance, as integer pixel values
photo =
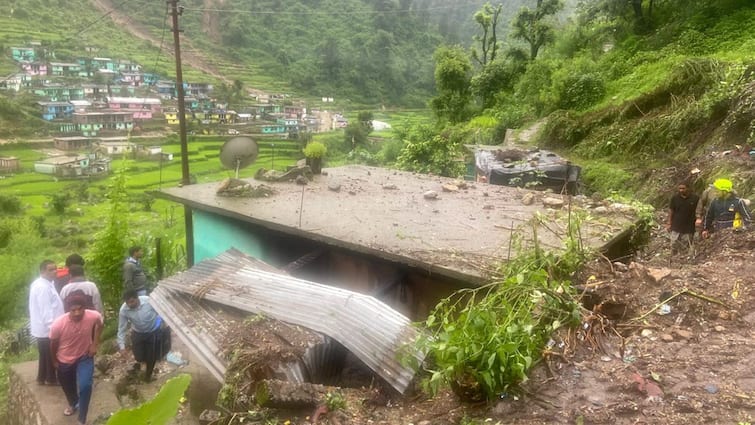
(354, 255)
(207, 304)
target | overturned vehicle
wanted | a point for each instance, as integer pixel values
(534, 169)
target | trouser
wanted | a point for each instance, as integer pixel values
(146, 347)
(45, 369)
(681, 242)
(76, 380)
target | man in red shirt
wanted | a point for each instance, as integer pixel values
(74, 338)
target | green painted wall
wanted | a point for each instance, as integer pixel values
(214, 234)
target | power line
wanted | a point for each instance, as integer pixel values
(339, 12)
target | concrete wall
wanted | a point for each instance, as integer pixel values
(23, 407)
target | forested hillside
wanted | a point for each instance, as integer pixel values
(638, 92)
(373, 52)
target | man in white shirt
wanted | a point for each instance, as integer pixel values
(44, 307)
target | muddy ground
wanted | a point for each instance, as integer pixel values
(633, 360)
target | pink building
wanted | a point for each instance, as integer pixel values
(34, 68)
(142, 107)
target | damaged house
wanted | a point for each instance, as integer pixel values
(349, 259)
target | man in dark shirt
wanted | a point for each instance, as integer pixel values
(134, 277)
(681, 219)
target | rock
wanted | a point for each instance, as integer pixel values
(423, 423)
(724, 315)
(601, 209)
(555, 203)
(619, 266)
(334, 186)
(390, 186)
(462, 184)
(104, 363)
(528, 198)
(301, 180)
(658, 274)
(450, 188)
(667, 337)
(711, 388)
(684, 334)
(719, 328)
(430, 194)
(646, 333)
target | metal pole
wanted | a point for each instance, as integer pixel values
(185, 179)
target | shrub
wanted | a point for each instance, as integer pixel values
(314, 150)
(10, 204)
(580, 91)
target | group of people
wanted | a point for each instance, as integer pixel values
(67, 317)
(718, 207)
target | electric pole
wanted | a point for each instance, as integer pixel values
(175, 11)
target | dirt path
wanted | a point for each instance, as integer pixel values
(188, 55)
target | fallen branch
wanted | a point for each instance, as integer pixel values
(682, 292)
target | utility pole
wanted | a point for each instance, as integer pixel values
(175, 11)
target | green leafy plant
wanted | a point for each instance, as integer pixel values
(158, 411)
(483, 341)
(110, 245)
(315, 150)
(335, 401)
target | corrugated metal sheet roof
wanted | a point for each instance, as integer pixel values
(370, 329)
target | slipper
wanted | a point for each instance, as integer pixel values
(69, 411)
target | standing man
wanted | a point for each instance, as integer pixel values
(148, 338)
(726, 210)
(63, 276)
(681, 219)
(44, 307)
(74, 339)
(133, 274)
(79, 283)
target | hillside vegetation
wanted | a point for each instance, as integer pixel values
(638, 92)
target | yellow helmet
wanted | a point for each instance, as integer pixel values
(724, 185)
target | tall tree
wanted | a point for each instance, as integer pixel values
(487, 19)
(533, 26)
(453, 71)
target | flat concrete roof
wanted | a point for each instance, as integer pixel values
(382, 212)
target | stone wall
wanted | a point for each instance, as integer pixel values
(23, 407)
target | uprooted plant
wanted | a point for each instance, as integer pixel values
(483, 341)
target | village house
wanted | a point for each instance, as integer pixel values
(23, 54)
(34, 68)
(116, 146)
(131, 78)
(57, 92)
(200, 90)
(9, 164)
(378, 234)
(165, 89)
(142, 108)
(92, 90)
(56, 110)
(72, 143)
(63, 166)
(63, 69)
(128, 66)
(16, 82)
(90, 124)
(81, 105)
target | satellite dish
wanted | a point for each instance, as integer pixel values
(239, 152)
